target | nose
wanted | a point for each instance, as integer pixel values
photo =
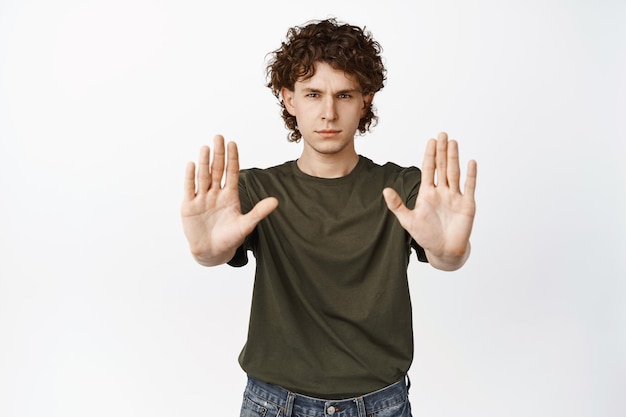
(329, 110)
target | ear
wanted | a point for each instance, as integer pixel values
(367, 103)
(287, 96)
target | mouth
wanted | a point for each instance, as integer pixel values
(328, 133)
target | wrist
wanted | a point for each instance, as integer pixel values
(448, 261)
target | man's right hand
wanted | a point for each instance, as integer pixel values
(211, 212)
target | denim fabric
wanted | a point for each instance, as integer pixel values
(267, 400)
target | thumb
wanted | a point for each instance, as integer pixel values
(397, 206)
(394, 203)
(261, 210)
(393, 200)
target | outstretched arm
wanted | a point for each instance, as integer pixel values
(211, 214)
(442, 219)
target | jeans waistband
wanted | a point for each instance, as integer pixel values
(292, 403)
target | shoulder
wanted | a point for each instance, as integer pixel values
(257, 183)
(264, 174)
(405, 180)
(391, 170)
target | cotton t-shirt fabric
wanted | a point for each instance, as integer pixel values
(331, 312)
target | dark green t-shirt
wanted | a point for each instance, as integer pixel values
(331, 312)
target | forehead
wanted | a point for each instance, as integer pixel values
(327, 76)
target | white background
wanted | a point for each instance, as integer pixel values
(102, 103)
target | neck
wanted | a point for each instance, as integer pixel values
(327, 166)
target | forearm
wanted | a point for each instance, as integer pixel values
(449, 261)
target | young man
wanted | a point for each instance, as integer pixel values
(330, 325)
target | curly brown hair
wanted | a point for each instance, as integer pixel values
(344, 47)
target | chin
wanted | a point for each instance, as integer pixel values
(331, 149)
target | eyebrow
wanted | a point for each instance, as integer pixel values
(317, 90)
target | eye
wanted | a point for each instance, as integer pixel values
(344, 95)
(313, 95)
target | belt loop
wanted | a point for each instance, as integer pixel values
(408, 383)
(360, 406)
(289, 404)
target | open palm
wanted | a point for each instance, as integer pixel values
(211, 211)
(441, 221)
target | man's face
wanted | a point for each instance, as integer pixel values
(328, 108)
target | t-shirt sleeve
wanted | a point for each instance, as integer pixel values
(412, 182)
(419, 251)
(241, 255)
(240, 258)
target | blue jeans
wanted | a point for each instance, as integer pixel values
(266, 400)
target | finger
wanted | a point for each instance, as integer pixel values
(261, 210)
(217, 165)
(396, 205)
(203, 169)
(190, 181)
(454, 170)
(428, 165)
(232, 167)
(441, 158)
(470, 180)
